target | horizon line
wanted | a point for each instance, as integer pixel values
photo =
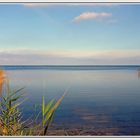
(73, 65)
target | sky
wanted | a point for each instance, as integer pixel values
(69, 34)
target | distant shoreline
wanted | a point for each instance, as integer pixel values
(125, 65)
(70, 67)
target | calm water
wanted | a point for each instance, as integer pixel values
(98, 96)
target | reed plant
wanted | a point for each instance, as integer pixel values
(48, 112)
(11, 116)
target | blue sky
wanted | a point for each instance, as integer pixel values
(69, 34)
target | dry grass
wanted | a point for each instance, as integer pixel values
(2, 78)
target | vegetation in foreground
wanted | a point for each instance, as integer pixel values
(11, 121)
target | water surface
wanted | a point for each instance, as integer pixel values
(98, 96)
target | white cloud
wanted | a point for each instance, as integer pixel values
(40, 57)
(91, 16)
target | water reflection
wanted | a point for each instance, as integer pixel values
(91, 117)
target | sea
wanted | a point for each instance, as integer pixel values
(99, 97)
